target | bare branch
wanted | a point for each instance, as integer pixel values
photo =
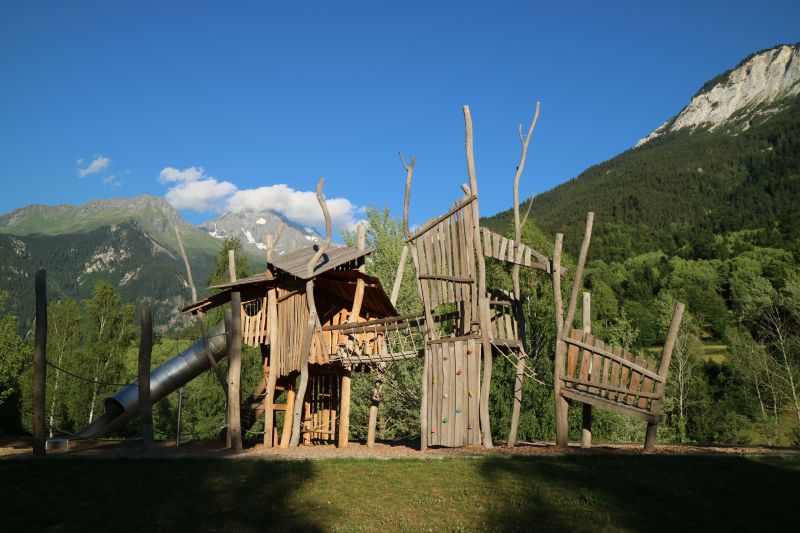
(409, 174)
(525, 140)
(528, 212)
(327, 242)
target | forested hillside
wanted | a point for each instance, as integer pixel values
(681, 192)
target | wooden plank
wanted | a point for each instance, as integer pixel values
(587, 384)
(502, 252)
(145, 353)
(39, 363)
(615, 373)
(586, 359)
(572, 354)
(461, 204)
(615, 357)
(614, 407)
(597, 362)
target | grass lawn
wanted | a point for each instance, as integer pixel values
(578, 493)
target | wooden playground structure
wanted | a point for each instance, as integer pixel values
(317, 317)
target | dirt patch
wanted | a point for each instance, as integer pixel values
(110, 449)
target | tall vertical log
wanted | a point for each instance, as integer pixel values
(272, 377)
(300, 397)
(232, 265)
(355, 312)
(483, 300)
(576, 283)
(586, 321)
(235, 373)
(562, 408)
(663, 368)
(39, 363)
(145, 353)
(518, 310)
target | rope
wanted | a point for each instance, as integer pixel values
(93, 381)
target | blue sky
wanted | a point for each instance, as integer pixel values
(266, 93)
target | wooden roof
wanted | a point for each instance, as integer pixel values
(331, 286)
(296, 263)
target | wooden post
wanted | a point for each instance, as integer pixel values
(272, 377)
(201, 317)
(562, 407)
(145, 352)
(299, 402)
(576, 283)
(586, 427)
(355, 312)
(518, 310)
(663, 368)
(39, 363)
(235, 373)
(483, 299)
(232, 265)
(288, 414)
(313, 320)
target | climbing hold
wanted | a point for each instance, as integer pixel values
(444, 395)
(433, 430)
(444, 420)
(434, 381)
(458, 372)
(470, 394)
(469, 351)
(469, 426)
(458, 410)
(444, 357)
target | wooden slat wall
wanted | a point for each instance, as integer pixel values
(323, 407)
(445, 250)
(504, 249)
(594, 373)
(453, 393)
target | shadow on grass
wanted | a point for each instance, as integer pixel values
(591, 493)
(155, 495)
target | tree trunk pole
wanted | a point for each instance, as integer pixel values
(235, 373)
(586, 426)
(344, 398)
(562, 407)
(145, 353)
(39, 363)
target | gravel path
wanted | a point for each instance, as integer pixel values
(109, 449)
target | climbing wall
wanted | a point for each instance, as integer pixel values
(453, 386)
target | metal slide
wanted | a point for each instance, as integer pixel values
(167, 378)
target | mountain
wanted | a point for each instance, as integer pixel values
(252, 228)
(761, 85)
(125, 254)
(728, 162)
(128, 241)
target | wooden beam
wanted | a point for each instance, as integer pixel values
(355, 312)
(235, 372)
(663, 368)
(322, 247)
(614, 407)
(304, 355)
(145, 353)
(586, 422)
(269, 400)
(398, 279)
(562, 407)
(288, 414)
(483, 300)
(461, 204)
(576, 283)
(39, 363)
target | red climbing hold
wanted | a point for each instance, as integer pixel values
(458, 372)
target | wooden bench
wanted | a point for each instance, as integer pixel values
(613, 379)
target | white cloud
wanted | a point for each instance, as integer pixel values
(203, 195)
(192, 189)
(171, 174)
(297, 206)
(112, 181)
(98, 164)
